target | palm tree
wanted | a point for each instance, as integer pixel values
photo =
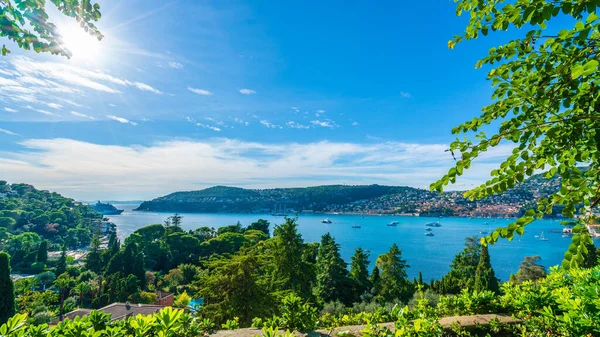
(63, 282)
(81, 289)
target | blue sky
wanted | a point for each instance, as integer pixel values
(183, 95)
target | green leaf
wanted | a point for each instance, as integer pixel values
(576, 71)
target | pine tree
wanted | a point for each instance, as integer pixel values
(61, 265)
(291, 270)
(485, 278)
(42, 255)
(359, 273)
(394, 282)
(93, 260)
(332, 275)
(462, 269)
(7, 294)
(176, 220)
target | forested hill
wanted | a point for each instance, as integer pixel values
(28, 215)
(365, 199)
(232, 199)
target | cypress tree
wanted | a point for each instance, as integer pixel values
(375, 280)
(61, 265)
(7, 294)
(42, 255)
(485, 278)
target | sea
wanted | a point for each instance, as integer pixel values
(432, 255)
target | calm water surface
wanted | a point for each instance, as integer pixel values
(431, 255)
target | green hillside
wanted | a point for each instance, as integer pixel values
(366, 199)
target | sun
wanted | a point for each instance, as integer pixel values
(82, 45)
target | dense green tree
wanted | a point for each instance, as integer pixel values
(61, 265)
(226, 243)
(233, 288)
(462, 269)
(544, 105)
(359, 273)
(485, 278)
(332, 283)
(393, 282)
(46, 278)
(42, 255)
(529, 270)
(93, 260)
(7, 222)
(237, 228)
(128, 261)
(261, 225)
(288, 253)
(204, 233)
(7, 293)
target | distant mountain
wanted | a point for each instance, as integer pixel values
(365, 199)
(237, 200)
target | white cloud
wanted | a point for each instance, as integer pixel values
(354, 123)
(68, 101)
(47, 113)
(112, 105)
(210, 127)
(145, 87)
(175, 65)
(295, 125)
(10, 110)
(321, 111)
(269, 124)
(48, 78)
(240, 121)
(200, 91)
(54, 106)
(80, 169)
(405, 94)
(10, 133)
(328, 123)
(78, 114)
(43, 112)
(247, 92)
(121, 120)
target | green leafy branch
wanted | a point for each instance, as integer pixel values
(27, 24)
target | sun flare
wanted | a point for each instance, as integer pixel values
(82, 45)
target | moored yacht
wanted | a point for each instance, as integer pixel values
(326, 221)
(392, 224)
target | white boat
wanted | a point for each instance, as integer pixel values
(433, 224)
(567, 231)
(325, 221)
(356, 226)
(542, 238)
(428, 229)
(392, 224)
(429, 234)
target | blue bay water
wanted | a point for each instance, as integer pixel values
(430, 255)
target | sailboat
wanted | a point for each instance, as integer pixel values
(542, 238)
